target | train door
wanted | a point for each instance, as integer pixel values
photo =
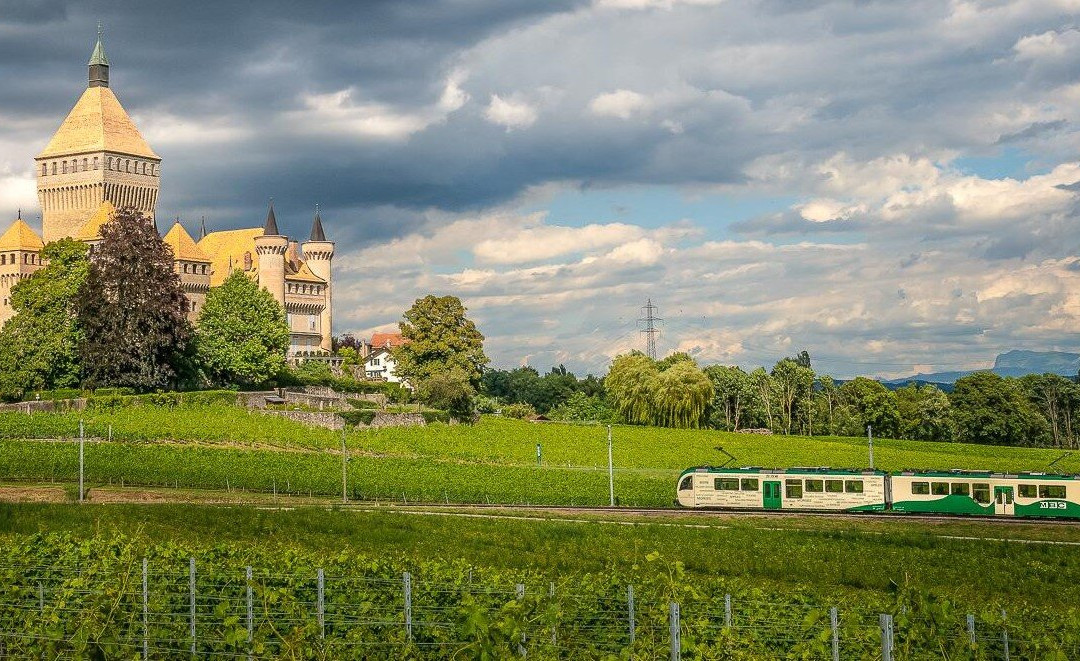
(1003, 501)
(771, 495)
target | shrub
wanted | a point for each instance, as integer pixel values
(485, 404)
(433, 416)
(210, 397)
(362, 403)
(355, 418)
(521, 411)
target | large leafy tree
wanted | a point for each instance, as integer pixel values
(439, 338)
(793, 384)
(241, 335)
(994, 410)
(39, 346)
(925, 413)
(671, 393)
(132, 310)
(733, 395)
(629, 383)
(1058, 400)
(872, 404)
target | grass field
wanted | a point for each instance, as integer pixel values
(782, 579)
(219, 447)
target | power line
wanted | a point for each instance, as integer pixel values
(651, 332)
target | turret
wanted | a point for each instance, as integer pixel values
(271, 247)
(98, 64)
(319, 254)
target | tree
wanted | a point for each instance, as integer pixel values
(873, 404)
(925, 413)
(733, 394)
(681, 396)
(793, 384)
(1058, 400)
(994, 410)
(39, 346)
(629, 383)
(131, 308)
(450, 391)
(242, 335)
(439, 338)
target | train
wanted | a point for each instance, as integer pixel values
(955, 492)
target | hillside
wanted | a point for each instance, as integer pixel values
(1010, 363)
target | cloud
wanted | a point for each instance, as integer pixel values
(511, 113)
(1050, 45)
(622, 104)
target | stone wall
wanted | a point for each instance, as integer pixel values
(311, 418)
(256, 400)
(45, 406)
(397, 420)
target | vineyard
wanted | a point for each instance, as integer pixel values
(495, 461)
(95, 591)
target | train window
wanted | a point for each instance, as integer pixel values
(961, 489)
(794, 489)
(939, 488)
(853, 486)
(834, 486)
(1028, 491)
(726, 484)
(687, 483)
(749, 484)
(815, 486)
(980, 491)
(920, 488)
(1051, 491)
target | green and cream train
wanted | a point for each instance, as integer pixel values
(926, 492)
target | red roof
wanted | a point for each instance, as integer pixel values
(387, 340)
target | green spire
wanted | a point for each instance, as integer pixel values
(98, 56)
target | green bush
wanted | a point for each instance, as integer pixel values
(113, 391)
(61, 393)
(211, 397)
(362, 403)
(519, 411)
(356, 418)
(436, 416)
(107, 403)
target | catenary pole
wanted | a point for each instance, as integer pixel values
(870, 442)
(82, 439)
(344, 469)
(610, 470)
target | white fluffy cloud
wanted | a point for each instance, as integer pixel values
(623, 104)
(512, 113)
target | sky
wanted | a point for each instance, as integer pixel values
(891, 186)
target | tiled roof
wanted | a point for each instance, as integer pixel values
(387, 340)
(98, 123)
(224, 247)
(303, 274)
(91, 230)
(20, 236)
(183, 246)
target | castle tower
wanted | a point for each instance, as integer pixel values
(96, 155)
(20, 256)
(271, 247)
(318, 254)
(192, 265)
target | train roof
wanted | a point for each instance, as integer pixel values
(825, 470)
(1027, 475)
(795, 470)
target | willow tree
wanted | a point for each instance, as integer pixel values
(681, 396)
(629, 383)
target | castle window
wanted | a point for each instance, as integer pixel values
(95, 162)
(44, 169)
(127, 166)
(311, 321)
(63, 167)
(108, 163)
(54, 167)
(3, 260)
(84, 163)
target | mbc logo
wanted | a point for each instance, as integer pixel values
(1053, 505)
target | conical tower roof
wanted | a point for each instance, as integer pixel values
(98, 123)
(317, 233)
(183, 246)
(271, 228)
(98, 56)
(20, 236)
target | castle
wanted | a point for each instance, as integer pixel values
(97, 161)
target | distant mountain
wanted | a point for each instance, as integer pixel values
(1010, 363)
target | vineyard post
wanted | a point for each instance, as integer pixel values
(870, 442)
(250, 611)
(191, 585)
(1004, 634)
(674, 632)
(554, 625)
(610, 470)
(835, 634)
(82, 439)
(520, 590)
(630, 611)
(971, 629)
(344, 469)
(41, 609)
(322, 606)
(145, 610)
(727, 611)
(886, 623)
(408, 605)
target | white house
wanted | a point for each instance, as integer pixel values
(379, 366)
